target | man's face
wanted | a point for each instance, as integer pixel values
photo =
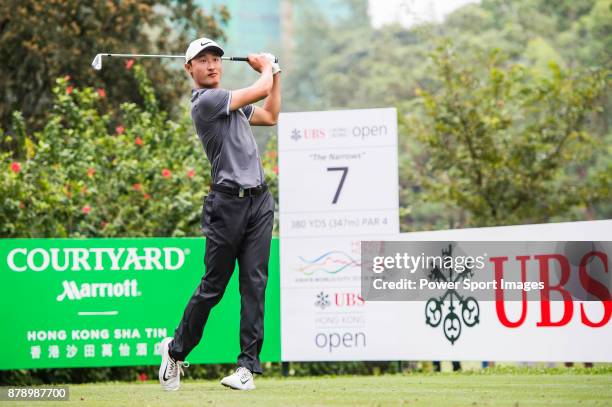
(205, 69)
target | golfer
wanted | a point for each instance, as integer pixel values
(238, 213)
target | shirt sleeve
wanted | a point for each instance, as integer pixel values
(213, 104)
(248, 111)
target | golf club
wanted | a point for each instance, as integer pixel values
(97, 62)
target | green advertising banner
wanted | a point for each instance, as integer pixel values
(110, 302)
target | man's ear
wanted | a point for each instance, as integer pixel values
(188, 68)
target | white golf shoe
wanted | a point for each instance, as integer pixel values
(170, 370)
(241, 379)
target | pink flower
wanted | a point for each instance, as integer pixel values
(69, 90)
(137, 187)
(101, 92)
(146, 196)
(119, 129)
(15, 167)
(138, 141)
(91, 172)
(275, 169)
(129, 63)
(191, 173)
(143, 376)
(67, 77)
(86, 209)
(166, 173)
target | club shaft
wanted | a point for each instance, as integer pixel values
(243, 59)
(142, 56)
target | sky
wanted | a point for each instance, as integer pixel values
(410, 12)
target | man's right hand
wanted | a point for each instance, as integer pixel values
(260, 89)
(259, 62)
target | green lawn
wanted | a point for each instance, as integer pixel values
(442, 389)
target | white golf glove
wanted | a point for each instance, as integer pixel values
(275, 66)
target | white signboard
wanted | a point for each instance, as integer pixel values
(555, 331)
(338, 184)
(333, 322)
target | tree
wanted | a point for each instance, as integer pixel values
(506, 144)
(145, 177)
(41, 41)
(357, 66)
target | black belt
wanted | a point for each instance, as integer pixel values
(238, 191)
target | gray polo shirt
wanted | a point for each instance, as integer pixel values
(227, 138)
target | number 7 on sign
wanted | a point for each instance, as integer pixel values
(344, 172)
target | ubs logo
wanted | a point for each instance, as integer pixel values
(322, 300)
(340, 300)
(308, 134)
(348, 300)
(295, 135)
(435, 308)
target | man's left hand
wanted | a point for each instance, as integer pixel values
(275, 65)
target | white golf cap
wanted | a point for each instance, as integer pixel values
(200, 45)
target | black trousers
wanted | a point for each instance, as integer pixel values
(236, 229)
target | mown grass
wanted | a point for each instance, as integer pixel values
(501, 386)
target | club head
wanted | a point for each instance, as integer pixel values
(97, 62)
